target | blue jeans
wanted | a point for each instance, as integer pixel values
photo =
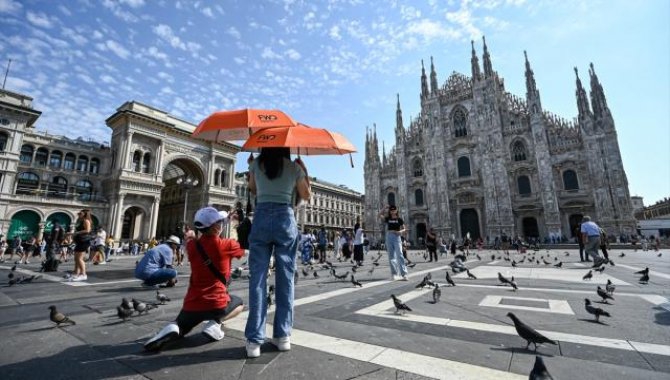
(396, 260)
(274, 231)
(160, 276)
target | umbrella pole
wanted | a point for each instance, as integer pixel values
(351, 160)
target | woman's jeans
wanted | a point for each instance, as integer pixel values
(274, 230)
(394, 248)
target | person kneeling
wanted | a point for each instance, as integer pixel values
(156, 265)
(207, 298)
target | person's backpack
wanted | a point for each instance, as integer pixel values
(243, 231)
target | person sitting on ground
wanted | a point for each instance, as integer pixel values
(156, 265)
(207, 298)
(457, 265)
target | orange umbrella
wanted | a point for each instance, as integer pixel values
(240, 124)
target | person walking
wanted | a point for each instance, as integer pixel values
(274, 179)
(358, 244)
(395, 227)
(431, 244)
(82, 241)
(591, 236)
(322, 244)
(580, 242)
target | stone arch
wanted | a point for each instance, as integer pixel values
(25, 223)
(519, 150)
(417, 167)
(459, 119)
(178, 202)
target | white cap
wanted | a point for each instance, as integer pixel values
(207, 216)
(173, 239)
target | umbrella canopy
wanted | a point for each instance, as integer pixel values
(240, 124)
(301, 139)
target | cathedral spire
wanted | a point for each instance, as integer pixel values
(531, 87)
(488, 67)
(383, 153)
(433, 77)
(598, 101)
(582, 101)
(398, 115)
(424, 82)
(476, 74)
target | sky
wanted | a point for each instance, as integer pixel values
(337, 64)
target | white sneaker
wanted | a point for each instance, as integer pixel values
(253, 350)
(81, 277)
(166, 334)
(395, 278)
(213, 330)
(102, 263)
(283, 344)
(404, 278)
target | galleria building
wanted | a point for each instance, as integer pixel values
(146, 183)
(482, 161)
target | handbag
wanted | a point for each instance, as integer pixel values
(208, 262)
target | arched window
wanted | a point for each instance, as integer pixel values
(26, 156)
(418, 197)
(518, 151)
(464, 167)
(84, 189)
(95, 166)
(146, 162)
(27, 183)
(58, 187)
(570, 181)
(224, 178)
(82, 164)
(391, 199)
(41, 157)
(137, 157)
(3, 141)
(55, 159)
(460, 122)
(217, 177)
(523, 183)
(68, 163)
(417, 168)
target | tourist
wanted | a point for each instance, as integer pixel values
(82, 240)
(580, 242)
(97, 255)
(273, 178)
(346, 245)
(431, 244)
(358, 244)
(591, 236)
(322, 244)
(207, 297)
(156, 265)
(604, 243)
(306, 247)
(395, 227)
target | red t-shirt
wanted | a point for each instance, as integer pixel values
(205, 291)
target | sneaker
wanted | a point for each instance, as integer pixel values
(81, 277)
(395, 278)
(597, 262)
(213, 331)
(167, 333)
(404, 278)
(283, 344)
(102, 263)
(147, 286)
(253, 350)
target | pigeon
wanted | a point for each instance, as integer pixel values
(353, 269)
(604, 295)
(644, 279)
(588, 275)
(514, 263)
(14, 281)
(545, 262)
(600, 269)
(659, 255)
(610, 287)
(342, 277)
(399, 306)
(539, 371)
(437, 293)
(612, 262)
(412, 265)
(622, 254)
(643, 271)
(125, 304)
(372, 269)
(502, 279)
(142, 307)
(567, 254)
(595, 310)
(375, 263)
(528, 333)
(555, 258)
(162, 298)
(425, 282)
(493, 257)
(10, 275)
(304, 272)
(58, 318)
(559, 265)
(30, 279)
(316, 275)
(513, 284)
(356, 283)
(123, 313)
(470, 275)
(480, 259)
(13, 268)
(449, 280)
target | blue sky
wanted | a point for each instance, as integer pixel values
(337, 64)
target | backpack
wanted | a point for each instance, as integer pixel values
(243, 231)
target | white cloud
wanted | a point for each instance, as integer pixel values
(117, 49)
(293, 54)
(107, 79)
(74, 36)
(165, 32)
(86, 78)
(133, 3)
(463, 19)
(409, 12)
(429, 30)
(64, 10)
(239, 60)
(10, 6)
(207, 11)
(97, 35)
(268, 53)
(120, 13)
(234, 32)
(39, 19)
(334, 33)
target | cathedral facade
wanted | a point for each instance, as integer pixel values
(483, 161)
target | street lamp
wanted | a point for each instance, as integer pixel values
(187, 183)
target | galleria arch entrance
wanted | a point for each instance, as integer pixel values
(181, 196)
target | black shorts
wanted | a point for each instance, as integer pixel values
(82, 246)
(187, 320)
(358, 252)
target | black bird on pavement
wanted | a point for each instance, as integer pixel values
(567, 254)
(142, 307)
(502, 279)
(539, 371)
(304, 272)
(612, 263)
(559, 265)
(341, 277)
(595, 310)
(449, 280)
(162, 298)
(123, 313)
(659, 255)
(125, 304)
(545, 262)
(600, 269)
(644, 279)
(470, 275)
(399, 306)
(588, 276)
(604, 295)
(513, 284)
(610, 287)
(356, 283)
(13, 268)
(480, 259)
(412, 265)
(514, 263)
(622, 254)
(316, 275)
(58, 318)
(437, 293)
(643, 271)
(493, 257)
(10, 275)
(353, 269)
(528, 333)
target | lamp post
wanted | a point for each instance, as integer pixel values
(187, 183)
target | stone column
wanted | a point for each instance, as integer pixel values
(118, 221)
(126, 153)
(159, 159)
(154, 217)
(40, 231)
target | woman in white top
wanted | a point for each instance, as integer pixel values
(358, 244)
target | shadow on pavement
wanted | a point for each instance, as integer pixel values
(662, 317)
